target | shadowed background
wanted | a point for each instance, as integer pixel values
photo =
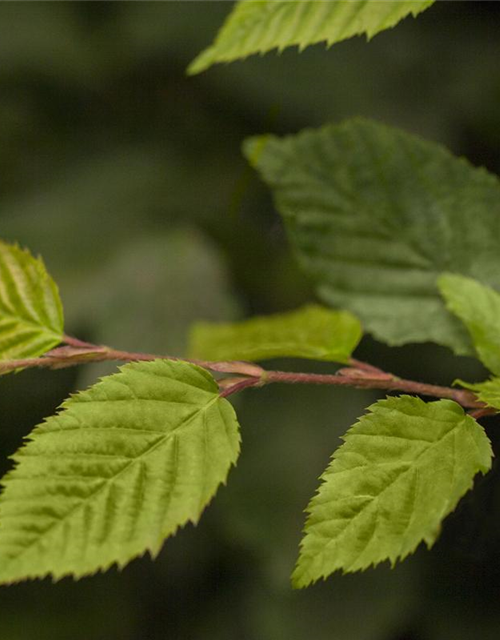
(127, 177)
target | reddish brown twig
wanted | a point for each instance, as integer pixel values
(360, 375)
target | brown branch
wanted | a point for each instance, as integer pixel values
(359, 375)
(482, 412)
(245, 368)
(364, 366)
(465, 398)
(239, 386)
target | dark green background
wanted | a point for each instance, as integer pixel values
(127, 177)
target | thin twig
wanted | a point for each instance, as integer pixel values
(359, 375)
(76, 342)
(245, 368)
(365, 366)
(482, 413)
(465, 398)
(239, 386)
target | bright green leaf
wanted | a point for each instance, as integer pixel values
(311, 332)
(31, 318)
(487, 392)
(376, 215)
(120, 468)
(403, 467)
(260, 26)
(478, 307)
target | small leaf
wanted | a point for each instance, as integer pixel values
(120, 468)
(257, 27)
(403, 468)
(376, 215)
(31, 317)
(487, 392)
(311, 332)
(478, 307)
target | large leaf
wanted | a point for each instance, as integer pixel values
(121, 467)
(376, 215)
(311, 332)
(259, 26)
(404, 467)
(31, 318)
(478, 307)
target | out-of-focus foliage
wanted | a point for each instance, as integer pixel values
(150, 291)
(107, 151)
(375, 215)
(310, 332)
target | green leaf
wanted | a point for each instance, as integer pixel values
(478, 307)
(403, 467)
(257, 27)
(120, 468)
(311, 332)
(376, 215)
(31, 317)
(487, 392)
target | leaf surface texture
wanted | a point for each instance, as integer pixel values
(120, 468)
(403, 467)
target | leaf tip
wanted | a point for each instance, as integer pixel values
(201, 63)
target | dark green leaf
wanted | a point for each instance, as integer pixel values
(376, 215)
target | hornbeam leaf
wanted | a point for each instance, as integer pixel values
(31, 317)
(259, 26)
(121, 467)
(311, 332)
(403, 467)
(478, 307)
(376, 215)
